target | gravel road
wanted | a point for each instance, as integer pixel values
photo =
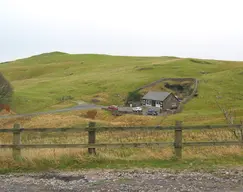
(129, 180)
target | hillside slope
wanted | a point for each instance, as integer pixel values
(45, 80)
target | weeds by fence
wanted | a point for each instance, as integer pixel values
(92, 130)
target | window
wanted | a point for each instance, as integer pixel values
(148, 102)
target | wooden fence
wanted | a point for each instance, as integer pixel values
(92, 145)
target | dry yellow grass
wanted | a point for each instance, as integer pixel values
(104, 118)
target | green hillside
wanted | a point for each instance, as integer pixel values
(42, 81)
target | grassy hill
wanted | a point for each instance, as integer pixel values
(42, 81)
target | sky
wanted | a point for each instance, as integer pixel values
(210, 29)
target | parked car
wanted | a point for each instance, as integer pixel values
(137, 109)
(152, 112)
(113, 107)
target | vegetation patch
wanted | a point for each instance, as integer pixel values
(65, 98)
(74, 162)
(200, 61)
(6, 91)
(181, 89)
(134, 96)
(6, 62)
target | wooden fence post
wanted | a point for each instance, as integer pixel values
(91, 135)
(178, 140)
(16, 151)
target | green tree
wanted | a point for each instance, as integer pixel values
(134, 96)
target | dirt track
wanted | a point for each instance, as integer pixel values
(132, 180)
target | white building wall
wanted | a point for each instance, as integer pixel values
(158, 104)
(148, 103)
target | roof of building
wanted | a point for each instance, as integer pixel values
(159, 96)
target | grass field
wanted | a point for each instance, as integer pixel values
(41, 81)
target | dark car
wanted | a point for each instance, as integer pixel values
(152, 112)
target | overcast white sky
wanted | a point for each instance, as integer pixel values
(184, 28)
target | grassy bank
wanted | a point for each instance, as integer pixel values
(68, 163)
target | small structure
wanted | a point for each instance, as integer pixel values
(163, 100)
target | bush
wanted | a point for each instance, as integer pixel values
(65, 98)
(6, 90)
(134, 96)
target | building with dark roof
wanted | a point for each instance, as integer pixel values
(163, 100)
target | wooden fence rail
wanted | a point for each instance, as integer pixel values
(92, 145)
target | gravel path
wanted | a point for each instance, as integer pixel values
(129, 180)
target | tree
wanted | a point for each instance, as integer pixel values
(6, 90)
(134, 96)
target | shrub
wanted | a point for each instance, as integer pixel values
(134, 96)
(6, 90)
